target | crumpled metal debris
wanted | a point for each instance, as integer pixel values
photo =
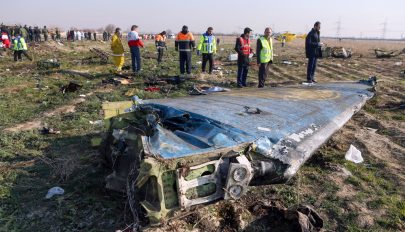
(336, 52)
(379, 53)
(101, 54)
(341, 52)
(372, 81)
(203, 90)
(48, 64)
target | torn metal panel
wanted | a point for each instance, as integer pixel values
(196, 150)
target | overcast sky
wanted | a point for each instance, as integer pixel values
(357, 17)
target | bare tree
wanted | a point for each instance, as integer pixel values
(110, 28)
(169, 32)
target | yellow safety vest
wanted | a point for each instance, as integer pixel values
(266, 54)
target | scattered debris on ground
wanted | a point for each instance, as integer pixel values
(354, 155)
(70, 88)
(379, 53)
(275, 217)
(54, 191)
(336, 52)
(47, 130)
(48, 64)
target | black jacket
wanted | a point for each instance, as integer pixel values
(312, 48)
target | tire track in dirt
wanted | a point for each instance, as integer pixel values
(344, 74)
(285, 73)
(273, 73)
(328, 74)
(372, 71)
(350, 70)
(390, 72)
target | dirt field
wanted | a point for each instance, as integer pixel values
(349, 197)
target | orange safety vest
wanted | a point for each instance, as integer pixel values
(245, 46)
(159, 38)
(184, 41)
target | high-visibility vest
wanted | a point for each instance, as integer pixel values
(160, 37)
(19, 44)
(266, 53)
(207, 44)
(245, 46)
(160, 41)
(184, 41)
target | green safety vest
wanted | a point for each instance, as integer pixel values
(207, 46)
(19, 44)
(266, 54)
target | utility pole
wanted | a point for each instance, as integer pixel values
(384, 29)
(338, 28)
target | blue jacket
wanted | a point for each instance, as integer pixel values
(312, 48)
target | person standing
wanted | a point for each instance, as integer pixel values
(243, 48)
(26, 37)
(30, 34)
(117, 49)
(19, 48)
(283, 40)
(52, 35)
(95, 36)
(208, 47)
(134, 43)
(5, 39)
(37, 34)
(264, 51)
(45, 33)
(57, 34)
(104, 36)
(160, 42)
(183, 44)
(24, 33)
(313, 47)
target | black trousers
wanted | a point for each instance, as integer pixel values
(311, 68)
(160, 55)
(210, 58)
(17, 55)
(263, 72)
(185, 62)
(243, 70)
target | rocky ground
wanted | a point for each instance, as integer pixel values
(349, 197)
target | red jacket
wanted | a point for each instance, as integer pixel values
(135, 43)
(6, 41)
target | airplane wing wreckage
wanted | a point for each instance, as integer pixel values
(171, 154)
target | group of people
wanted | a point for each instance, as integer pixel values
(17, 37)
(31, 34)
(207, 47)
(76, 35)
